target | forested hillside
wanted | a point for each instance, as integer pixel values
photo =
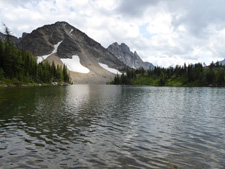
(18, 66)
(191, 75)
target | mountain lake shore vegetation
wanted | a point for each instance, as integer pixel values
(19, 68)
(192, 75)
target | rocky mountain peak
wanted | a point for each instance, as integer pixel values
(47, 36)
(123, 53)
(24, 34)
(115, 44)
(125, 48)
(61, 41)
(136, 54)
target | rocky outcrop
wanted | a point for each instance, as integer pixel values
(42, 41)
(123, 53)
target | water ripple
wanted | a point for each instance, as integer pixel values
(112, 127)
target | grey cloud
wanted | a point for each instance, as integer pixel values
(16, 2)
(134, 8)
(197, 16)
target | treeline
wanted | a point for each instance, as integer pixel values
(186, 75)
(19, 65)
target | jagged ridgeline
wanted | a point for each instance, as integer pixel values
(131, 59)
(19, 66)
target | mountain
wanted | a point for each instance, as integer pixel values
(123, 53)
(62, 43)
(13, 38)
(222, 62)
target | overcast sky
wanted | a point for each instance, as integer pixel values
(163, 32)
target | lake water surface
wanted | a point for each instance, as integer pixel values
(84, 126)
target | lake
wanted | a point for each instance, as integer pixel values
(103, 126)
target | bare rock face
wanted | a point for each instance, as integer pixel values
(41, 42)
(123, 53)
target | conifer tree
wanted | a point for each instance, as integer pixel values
(20, 65)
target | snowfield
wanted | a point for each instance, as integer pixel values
(56, 47)
(106, 67)
(74, 64)
(71, 31)
(41, 58)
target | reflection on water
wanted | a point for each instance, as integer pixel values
(112, 127)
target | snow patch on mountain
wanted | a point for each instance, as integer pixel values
(41, 58)
(71, 31)
(106, 67)
(56, 47)
(74, 64)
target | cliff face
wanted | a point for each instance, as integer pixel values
(61, 41)
(133, 60)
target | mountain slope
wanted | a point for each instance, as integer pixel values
(123, 53)
(61, 42)
(12, 38)
(222, 62)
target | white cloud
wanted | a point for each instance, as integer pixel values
(160, 24)
(162, 32)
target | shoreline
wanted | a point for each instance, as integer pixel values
(144, 85)
(5, 85)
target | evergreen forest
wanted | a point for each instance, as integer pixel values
(18, 66)
(186, 75)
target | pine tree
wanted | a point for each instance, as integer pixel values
(1, 74)
(20, 65)
(65, 74)
(1, 54)
(53, 71)
(59, 73)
